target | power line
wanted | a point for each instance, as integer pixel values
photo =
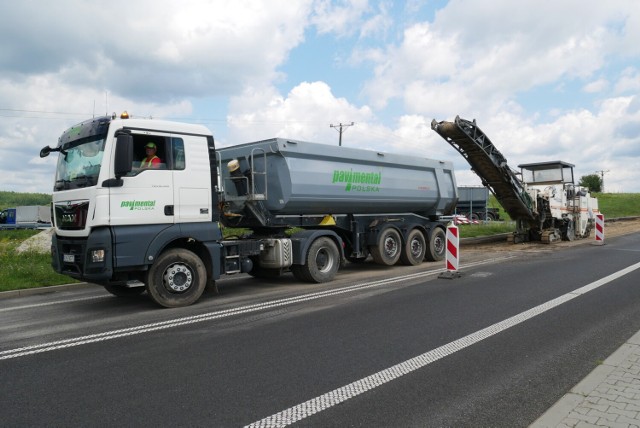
(340, 130)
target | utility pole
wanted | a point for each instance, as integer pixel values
(602, 173)
(340, 131)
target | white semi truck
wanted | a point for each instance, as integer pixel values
(132, 229)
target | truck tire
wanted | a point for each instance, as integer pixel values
(322, 262)
(122, 291)
(388, 249)
(437, 245)
(414, 249)
(177, 278)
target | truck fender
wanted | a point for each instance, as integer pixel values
(210, 238)
(160, 242)
(301, 241)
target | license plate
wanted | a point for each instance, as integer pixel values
(68, 258)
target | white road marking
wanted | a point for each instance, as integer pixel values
(340, 395)
(114, 334)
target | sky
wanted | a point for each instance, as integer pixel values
(545, 80)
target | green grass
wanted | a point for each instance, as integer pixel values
(26, 270)
(614, 205)
(486, 229)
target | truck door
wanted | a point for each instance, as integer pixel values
(191, 179)
(146, 196)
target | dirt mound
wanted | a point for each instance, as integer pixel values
(40, 243)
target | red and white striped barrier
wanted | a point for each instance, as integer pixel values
(460, 219)
(600, 229)
(452, 254)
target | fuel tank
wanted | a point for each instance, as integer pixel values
(289, 177)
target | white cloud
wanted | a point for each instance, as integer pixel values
(153, 60)
(471, 52)
(339, 17)
(474, 58)
(598, 85)
(629, 81)
(305, 113)
(157, 50)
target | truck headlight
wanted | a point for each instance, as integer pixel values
(97, 256)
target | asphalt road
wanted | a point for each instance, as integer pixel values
(378, 347)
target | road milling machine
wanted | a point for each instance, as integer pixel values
(543, 198)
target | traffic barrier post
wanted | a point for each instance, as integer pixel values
(599, 229)
(452, 252)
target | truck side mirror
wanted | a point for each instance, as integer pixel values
(123, 162)
(45, 151)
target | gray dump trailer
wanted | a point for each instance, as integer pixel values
(361, 202)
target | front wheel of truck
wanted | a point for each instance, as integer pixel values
(177, 278)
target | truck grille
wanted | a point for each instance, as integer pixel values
(71, 215)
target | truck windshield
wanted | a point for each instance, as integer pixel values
(79, 163)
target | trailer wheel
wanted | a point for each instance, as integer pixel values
(414, 249)
(122, 291)
(322, 262)
(387, 251)
(177, 278)
(437, 245)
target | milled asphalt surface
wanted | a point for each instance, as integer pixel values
(608, 397)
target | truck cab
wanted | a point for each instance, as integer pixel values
(113, 217)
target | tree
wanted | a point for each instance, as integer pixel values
(592, 181)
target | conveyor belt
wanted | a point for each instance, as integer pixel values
(489, 164)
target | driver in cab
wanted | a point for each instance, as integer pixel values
(151, 160)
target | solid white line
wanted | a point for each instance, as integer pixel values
(340, 395)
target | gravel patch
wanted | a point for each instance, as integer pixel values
(40, 243)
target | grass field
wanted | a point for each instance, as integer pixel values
(30, 269)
